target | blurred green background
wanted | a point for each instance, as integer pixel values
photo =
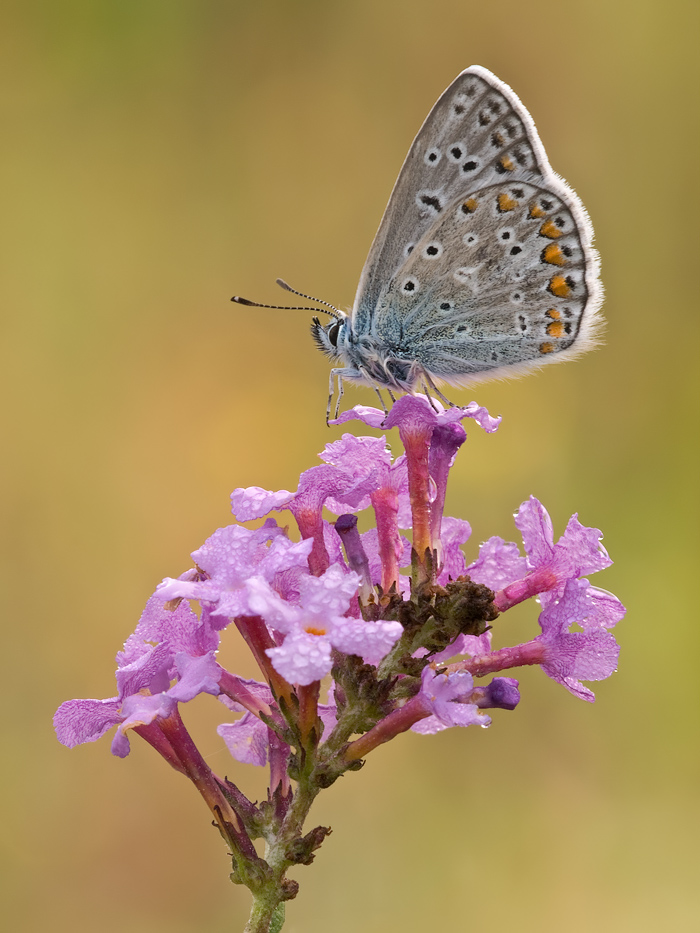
(159, 157)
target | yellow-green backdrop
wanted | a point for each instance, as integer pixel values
(160, 155)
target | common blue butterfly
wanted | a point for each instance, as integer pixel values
(483, 264)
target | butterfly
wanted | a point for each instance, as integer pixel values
(483, 264)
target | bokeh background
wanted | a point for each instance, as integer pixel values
(159, 156)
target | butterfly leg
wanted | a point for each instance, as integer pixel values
(429, 396)
(338, 374)
(427, 381)
(376, 389)
(341, 392)
(335, 374)
(381, 400)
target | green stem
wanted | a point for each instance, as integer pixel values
(265, 917)
(267, 913)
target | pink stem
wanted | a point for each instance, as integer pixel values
(237, 691)
(153, 734)
(538, 581)
(416, 441)
(531, 652)
(199, 773)
(310, 522)
(385, 502)
(308, 709)
(257, 637)
(388, 728)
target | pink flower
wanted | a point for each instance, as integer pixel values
(319, 623)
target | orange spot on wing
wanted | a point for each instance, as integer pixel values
(559, 286)
(507, 163)
(555, 329)
(554, 314)
(553, 254)
(470, 205)
(505, 203)
(550, 230)
(536, 211)
(546, 347)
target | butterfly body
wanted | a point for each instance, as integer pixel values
(483, 264)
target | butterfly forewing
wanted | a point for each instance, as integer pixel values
(477, 133)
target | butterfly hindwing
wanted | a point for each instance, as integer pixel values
(498, 280)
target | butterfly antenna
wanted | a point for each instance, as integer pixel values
(334, 312)
(328, 309)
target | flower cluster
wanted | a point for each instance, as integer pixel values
(397, 627)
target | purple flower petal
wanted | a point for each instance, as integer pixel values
(498, 564)
(409, 411)
(398, 480)
(447, 696)
(180, 628)
(583, 549)
(328, 715)
(150, 671)
(476, 645)
(366, 460)
(534, 524)
(230, 558)
(573, 656)
(140, 710)
(302, 658)
(371, 641)
(357, 455)
(260, 691)
(264, 601)
(195, 676)
(232, 550)
(329, 595)
(454, 533)
(254, 502)
(607, 610)
(334, 547)
(370, 543)
(578, 552)
(78, 721)
(372, 417)
(482, 417)
(246, 740)
(472, 645)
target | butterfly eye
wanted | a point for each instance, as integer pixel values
(333, 332)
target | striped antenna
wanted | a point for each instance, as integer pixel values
(328, 309)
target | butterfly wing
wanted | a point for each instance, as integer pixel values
(442, 283)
